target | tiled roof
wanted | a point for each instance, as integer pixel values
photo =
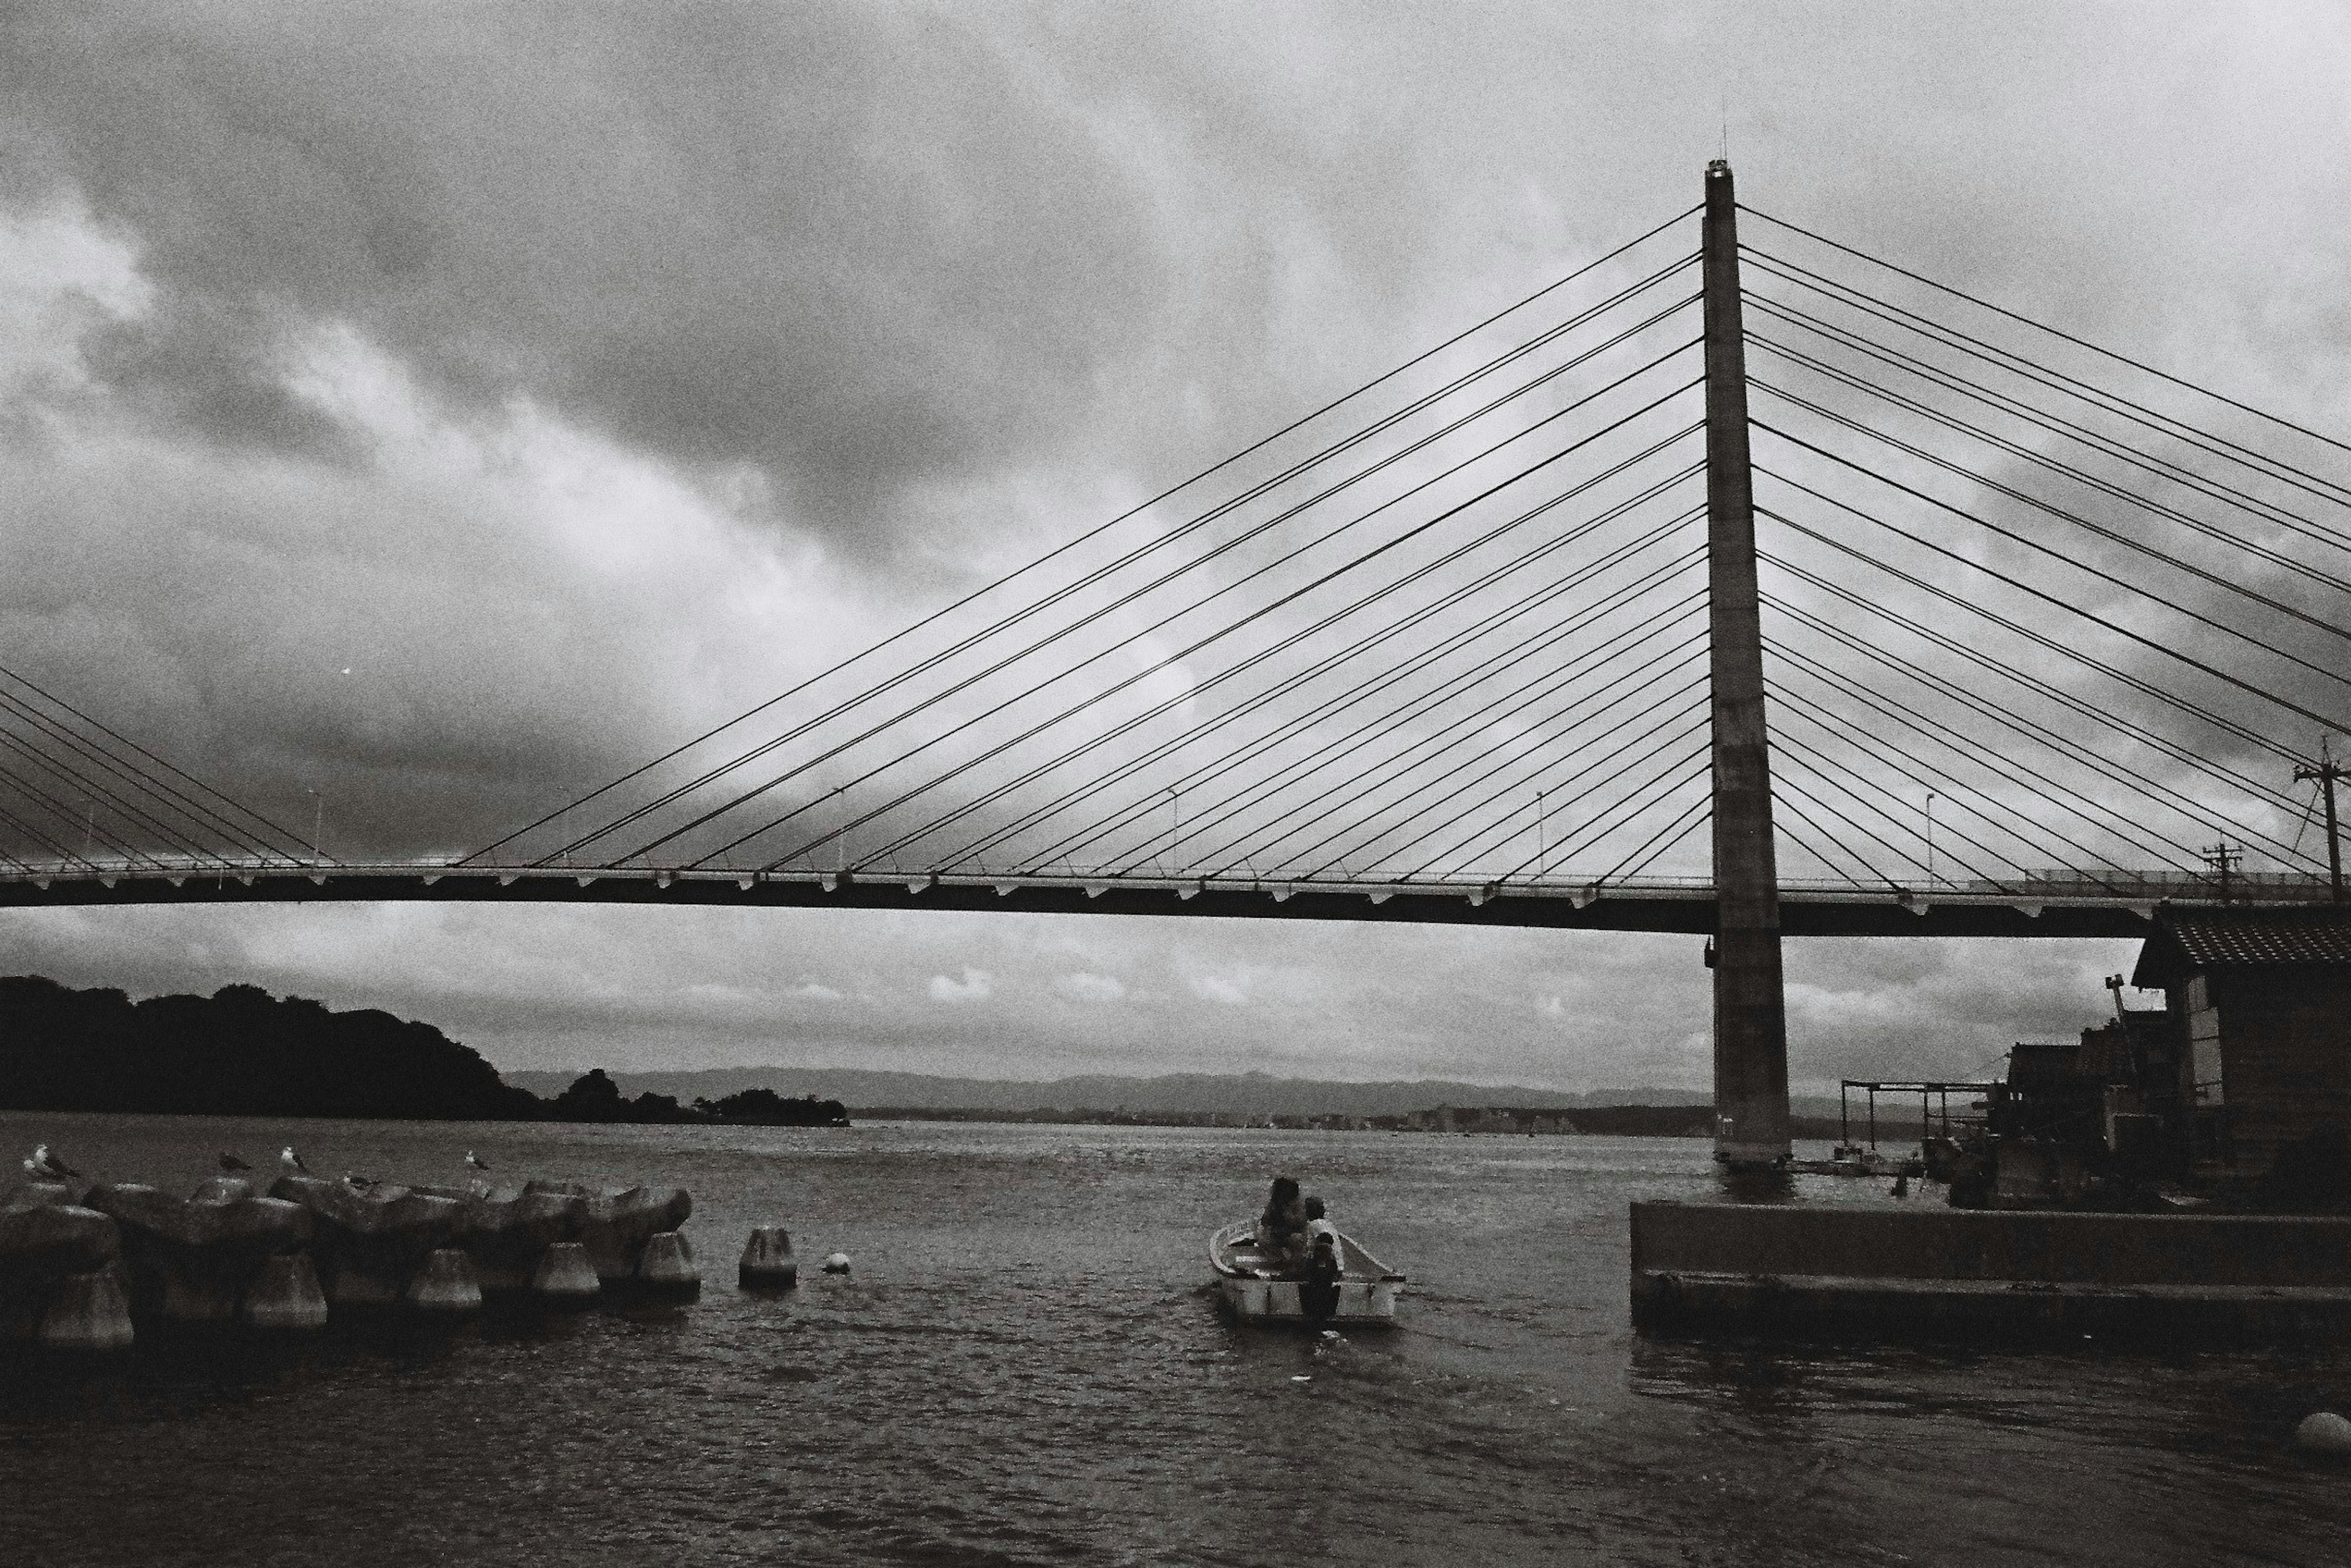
(2211, 938)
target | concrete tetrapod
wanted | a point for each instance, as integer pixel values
(618, 1224)
(44, 1243)
(191, 1259)
(767, 1262)
(369, 1243)
(286, 1295)
(89, 1312)
(507, 1230)
(666, 1266)
(565, 1276)
(445, 1283)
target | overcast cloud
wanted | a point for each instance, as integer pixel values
(411, 415)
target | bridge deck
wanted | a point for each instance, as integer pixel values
(2058, 908)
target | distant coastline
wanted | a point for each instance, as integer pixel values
(244, 1052)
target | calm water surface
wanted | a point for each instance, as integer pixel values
(1027, 1367)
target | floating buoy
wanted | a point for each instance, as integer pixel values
(2324, 1432)
(767, 1262)
(445, 1283)
(565, 1276)
(285, 1295)
(87, 1313)
(838, 1263)
(667, 1265)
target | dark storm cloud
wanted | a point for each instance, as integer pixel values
(733, 235)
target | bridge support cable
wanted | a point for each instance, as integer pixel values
(1641, 754)
(2073, 472)
(1265, 745)
(1381, 681)
(2163, 601)
(94, 794)
(1215, 514)
(97, 772)
(1099, 530)
(2053, 331)
(1364, 828)
(2065, 650)
(1284, 599)
(1361, 789)
(1662, 842)
(1794, 797)
(1819, 765)
(1608, 821)
(2112, 535)
(148, 800)
(2041, 735)
(1750, 1021)
(968, 682)
(2104, 818)
(1406, 622)
(1968, 390)
(2027, 369)
(1903, 813)
(2249, 688)
(1383, 789)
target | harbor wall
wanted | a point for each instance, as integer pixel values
(1846, 1271)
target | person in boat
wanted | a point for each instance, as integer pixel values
(1318, 1293)
(1281, 1228)
(1321, 1233)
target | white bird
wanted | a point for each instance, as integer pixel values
(477, 1161)
(292, 1161)
(49, 1165)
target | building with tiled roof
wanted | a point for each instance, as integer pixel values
(2261, 999)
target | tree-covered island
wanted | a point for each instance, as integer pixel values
(244, 1052)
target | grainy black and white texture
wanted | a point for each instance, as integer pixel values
(411, 417)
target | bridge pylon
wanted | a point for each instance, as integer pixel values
(1751, 1023)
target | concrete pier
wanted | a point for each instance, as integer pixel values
(1936, 1273)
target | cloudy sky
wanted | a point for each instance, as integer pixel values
(412, 416)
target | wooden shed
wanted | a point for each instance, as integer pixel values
(2259, 1002)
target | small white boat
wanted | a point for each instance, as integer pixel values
(1259, 1294)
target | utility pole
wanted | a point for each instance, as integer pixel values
(2223, 858)
(1750, 1019)
(2326, 772)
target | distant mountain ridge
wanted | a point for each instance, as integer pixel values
(1245, 1093)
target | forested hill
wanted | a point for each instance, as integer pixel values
(239, 1051)
(244, 1052)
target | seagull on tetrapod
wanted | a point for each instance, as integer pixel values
(44, 1163)
(292, 1161)
(230, 1164)
(359, 1182)
(477, 1161)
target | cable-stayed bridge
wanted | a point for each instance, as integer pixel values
(1765, 586)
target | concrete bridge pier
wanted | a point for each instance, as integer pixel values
(1751, 1028)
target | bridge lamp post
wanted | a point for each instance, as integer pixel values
(1931, 835)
